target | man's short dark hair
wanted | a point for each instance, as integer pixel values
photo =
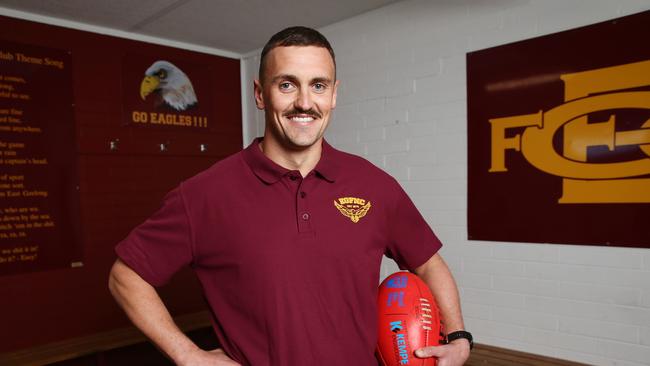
(295, 36)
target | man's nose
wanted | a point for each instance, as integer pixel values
(303, 100)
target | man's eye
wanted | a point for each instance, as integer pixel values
(320, 87)
(285, 86)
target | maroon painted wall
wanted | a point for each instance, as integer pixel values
(118, 189)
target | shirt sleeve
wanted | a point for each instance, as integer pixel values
(411, 240)
(161, 245)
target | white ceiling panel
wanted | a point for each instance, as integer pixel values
(118, 14)
(238, 26)
(242, 26)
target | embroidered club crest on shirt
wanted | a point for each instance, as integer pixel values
(352, 207)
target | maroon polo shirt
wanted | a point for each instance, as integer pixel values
(289, 265)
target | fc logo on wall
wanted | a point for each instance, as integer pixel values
(586, 178)
(559, 137)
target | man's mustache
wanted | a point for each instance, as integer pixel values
(310, 112)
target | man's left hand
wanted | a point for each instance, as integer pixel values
(452, 354)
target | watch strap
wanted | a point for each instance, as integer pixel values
(461, 334)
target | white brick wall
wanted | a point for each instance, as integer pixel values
(402, 105)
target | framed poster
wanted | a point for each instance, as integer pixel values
(38, 178)
(559, 137)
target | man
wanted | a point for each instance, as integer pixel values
(286, 236)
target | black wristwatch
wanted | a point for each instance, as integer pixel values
(461, 334)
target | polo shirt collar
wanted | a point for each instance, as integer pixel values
(327, 166)
(270, 172)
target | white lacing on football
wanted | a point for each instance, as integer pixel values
(426, 307)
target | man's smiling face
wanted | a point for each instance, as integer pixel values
(298, 94)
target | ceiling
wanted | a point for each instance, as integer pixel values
(236, 26)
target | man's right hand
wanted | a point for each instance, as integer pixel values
(146, 310)
(215, 357)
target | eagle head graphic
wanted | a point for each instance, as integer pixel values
(170, 83)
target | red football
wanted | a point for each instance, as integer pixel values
(409, 319)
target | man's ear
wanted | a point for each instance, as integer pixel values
(259, 95)
(336, 87)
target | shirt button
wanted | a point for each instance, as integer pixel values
(303, 194)
(293, 177)
(305, 216)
